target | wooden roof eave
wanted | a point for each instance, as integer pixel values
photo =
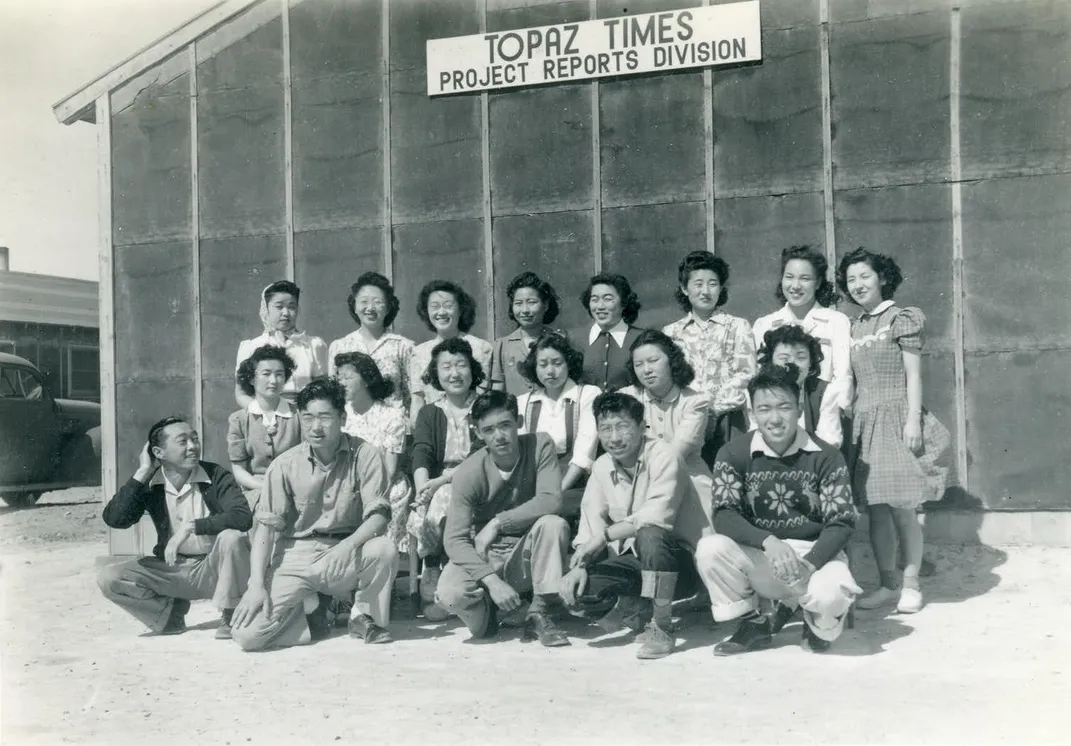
(80, 105)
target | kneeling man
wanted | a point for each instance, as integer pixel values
(200, 514)
(503, 533)
(640, 520)
(321, 520)
(783, 514)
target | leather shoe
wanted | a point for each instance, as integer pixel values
(319, 627)
(176, 620)
(223, 631)
(752, 634)
(657, 642)
(782, 615)
(813, 642)
(490, 624)
(539, 626)
(363, 627)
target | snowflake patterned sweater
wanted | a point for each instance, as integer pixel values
(803, 494)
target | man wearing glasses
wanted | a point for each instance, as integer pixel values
(319, 532)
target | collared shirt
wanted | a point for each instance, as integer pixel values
(880, 308)
(507, 355)
(552, 421)
(679, 419)
(302, 496)
(282, 409)
(254, 442)
(722, 352)
(187, 504)
(618, 332)
(392, 353)
(802, 442)
(658, 493)
(833, 330)
(308, 353)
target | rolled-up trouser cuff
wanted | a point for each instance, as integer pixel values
(658, 585)
(735, 610)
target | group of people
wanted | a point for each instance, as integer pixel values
(605, 477)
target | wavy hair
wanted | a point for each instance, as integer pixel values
(630, 302)
(247, 370)
(379, 388)
(888, 271)
(695, 261)
(791, 334)
(574, 358)
(680, 369)
(455, 346)
(825, 294)
(376, 280)
(544, 289)
(466, 304)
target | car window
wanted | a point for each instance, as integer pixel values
(9, 384)
(21, 383)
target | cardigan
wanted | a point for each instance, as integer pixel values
(606, 363)
(225, 500)
(532, 490)
(429, 440)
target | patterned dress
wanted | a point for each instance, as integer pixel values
(884, 470)
(384, 426)
(392, 353)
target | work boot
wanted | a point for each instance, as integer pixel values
(319, 627)
(657, 642)
(782, 614)
(753, 633)
(632, 612)
(364, 627)
(176, 620)
(223, 631)
(539, 626)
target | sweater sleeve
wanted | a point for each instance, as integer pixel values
(469, 484)
(547, 497)
(728, 490)
(235, 512)
(834, 510)
(127, 506)
(424, 450)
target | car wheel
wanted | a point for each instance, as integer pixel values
(20, 499)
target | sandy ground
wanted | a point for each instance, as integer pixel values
(985, 662)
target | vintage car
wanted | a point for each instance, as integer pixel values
(45, 443)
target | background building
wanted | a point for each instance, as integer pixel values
(274, 139)
(53, 323)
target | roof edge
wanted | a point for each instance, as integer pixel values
(79, 106)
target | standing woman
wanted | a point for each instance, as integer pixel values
(278, 314)
(373, 306)
(613, 307)
(561, 408)
(266, 427)
(443, 437)
(719, 347)
(809, 299)
(533, 304)
(897, 443)
(370, 417)
(672, 410)
(446, 309)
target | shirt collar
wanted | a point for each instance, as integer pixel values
(343, 445)
(880, 308)
(718, 317)
(673, 395)
(803, 442)
(199, 476)
(618, 332)
(282, 409)
(571, 391)
(817, 313)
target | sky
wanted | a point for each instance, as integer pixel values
(51, 48)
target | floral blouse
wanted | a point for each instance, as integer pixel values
(392, 353)
(722, 351)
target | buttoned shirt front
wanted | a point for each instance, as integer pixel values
(302, 496)
(833, 330)
(187, 504)
(618, 332)
(308, 353)
(552, 420)
(721, 350)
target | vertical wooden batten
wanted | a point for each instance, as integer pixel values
(388, 212)
(118, 543)
(288, 141)
(195, 242)
(955, 51)
(827, 136)
(488, 232)
(596, 163)
(708, 151)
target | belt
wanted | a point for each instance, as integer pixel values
(330, 534)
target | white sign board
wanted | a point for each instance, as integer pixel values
(629, 45)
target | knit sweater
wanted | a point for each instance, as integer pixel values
(803, 494)
(533, 490)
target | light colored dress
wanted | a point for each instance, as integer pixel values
(884, 470)
(421, 358)
(384, 426)
(391, 353)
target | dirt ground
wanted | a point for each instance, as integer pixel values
(985, 662)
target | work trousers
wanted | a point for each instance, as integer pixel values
(300, 570)
(534, 563)
(658, 566)
(147, 587)
(737, 576)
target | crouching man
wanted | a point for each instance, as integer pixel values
(640, 520)
(321, 520)
(783, 515)
(200, 514)
(503, 535)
